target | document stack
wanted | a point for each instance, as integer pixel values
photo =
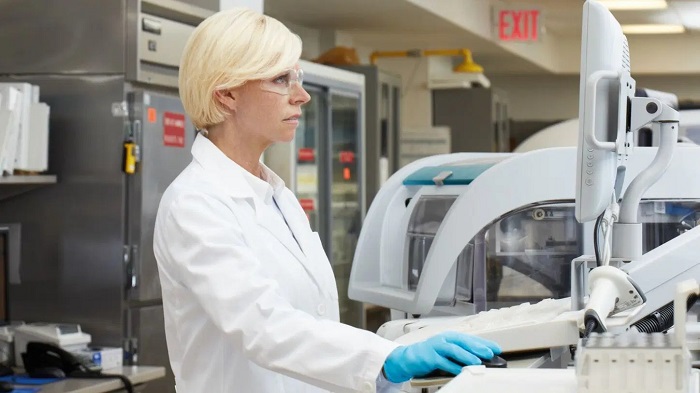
(24, 129)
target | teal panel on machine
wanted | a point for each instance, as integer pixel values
(461, 175)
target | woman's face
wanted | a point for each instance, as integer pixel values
(271, 108)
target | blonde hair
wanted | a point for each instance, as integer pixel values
(225, 51)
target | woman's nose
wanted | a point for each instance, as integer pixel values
(299, 95)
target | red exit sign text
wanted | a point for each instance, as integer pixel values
(518, 25)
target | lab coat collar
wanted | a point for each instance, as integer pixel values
(229, 175)
(275, 181)
(262, 189)
(215, 162)
(232, 178)
(266, 210)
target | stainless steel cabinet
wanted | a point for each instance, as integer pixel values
(86, 253)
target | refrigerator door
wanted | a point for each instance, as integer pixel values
(309, 154)
(164, 136)
(346, 196)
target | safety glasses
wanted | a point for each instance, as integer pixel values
(282, 83)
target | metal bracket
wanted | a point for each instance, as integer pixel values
(130, 256)
(138, 139)
(120, 109)
(131, 349)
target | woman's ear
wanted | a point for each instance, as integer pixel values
(227, 99)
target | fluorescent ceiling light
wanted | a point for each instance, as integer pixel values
(634, 4)
(652, 29)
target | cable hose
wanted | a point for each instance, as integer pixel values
(591, 325)
(662, 319)
(596, 245)
(691, 301)
(125, 381)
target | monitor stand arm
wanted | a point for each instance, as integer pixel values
(608, 284)
(627, 232)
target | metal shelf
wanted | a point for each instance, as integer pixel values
(14, 185)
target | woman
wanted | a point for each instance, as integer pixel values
(249, 296)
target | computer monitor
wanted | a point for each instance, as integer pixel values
(609, 114)
(606, 88)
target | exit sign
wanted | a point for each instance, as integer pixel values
(519, 25)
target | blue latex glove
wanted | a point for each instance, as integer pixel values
(448, 351)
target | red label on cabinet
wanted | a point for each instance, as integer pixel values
(306, 154)
(307, 204)
(346, 157)
(173, 129)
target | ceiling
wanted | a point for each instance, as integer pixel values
(560, 16)
(402, 24)
(409, 26)
(366, 15)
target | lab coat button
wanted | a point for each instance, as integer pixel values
(321, 309)
(368, 387)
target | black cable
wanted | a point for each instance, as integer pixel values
(658, 321)
(125, 381)
(591, 325)
(661, 319)
(596, 230)
(98, 375)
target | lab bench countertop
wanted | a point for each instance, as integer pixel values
(136, 374)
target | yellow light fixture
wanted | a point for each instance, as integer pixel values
(635, 4)
(653, 29)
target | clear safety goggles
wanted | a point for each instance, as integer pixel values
(282, 84)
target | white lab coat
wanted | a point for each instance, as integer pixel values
(247, 308)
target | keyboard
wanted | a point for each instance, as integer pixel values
(524, 327)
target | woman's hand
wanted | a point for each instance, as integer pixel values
(449, 351)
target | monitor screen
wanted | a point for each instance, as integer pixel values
(604, 93)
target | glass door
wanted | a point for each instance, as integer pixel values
(346, 196)
(307, 142)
